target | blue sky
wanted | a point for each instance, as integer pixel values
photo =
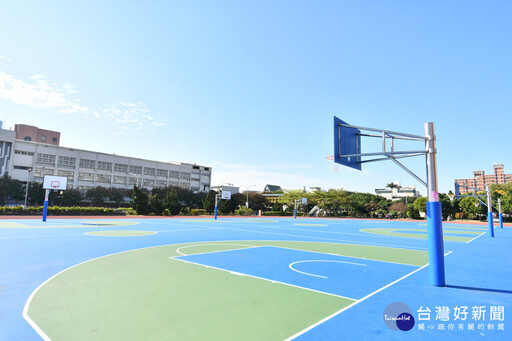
(250, 87)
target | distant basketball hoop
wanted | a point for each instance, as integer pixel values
(330, 158)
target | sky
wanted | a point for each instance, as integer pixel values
(250, 88)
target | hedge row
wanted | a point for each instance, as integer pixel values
(56, 210)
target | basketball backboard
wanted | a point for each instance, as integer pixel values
(226, 195)
(347, 141)
(55, 182)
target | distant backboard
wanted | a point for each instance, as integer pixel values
(347, 141)
(457, 190)
(55, 182)
(304, 201)
(226, 195)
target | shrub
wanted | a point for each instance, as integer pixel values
(244, 211)
(198, 211)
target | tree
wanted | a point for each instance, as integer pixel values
(71, 197)
(400, 209)
(97, 195)
(471, 207)
(35, 194)
(10, 189)
(117, 195)
(171, 202)
(140, 201)
(209, 202)
(420, 204)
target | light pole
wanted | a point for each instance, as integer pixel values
(28, 183)
(247, 191)
(137, 179)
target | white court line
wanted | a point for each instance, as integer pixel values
(319, 260)
(469, 241)
(264, 279)
(201, 244)
(82, 234)
(338, 240)
(350, 306)
(29, 300)
(355, 303)
(341, 255)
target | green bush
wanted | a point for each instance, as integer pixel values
(57, 210)
(277, 213)
(197, 211)
(244, 211)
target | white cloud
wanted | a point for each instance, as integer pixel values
(130, 116)
(5, 58)
(36, 91)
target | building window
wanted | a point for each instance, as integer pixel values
(41, 172)
(68, 174)
(27, 138)
(148, 182)
(120, 168)
(86, 176)
(120, 180)
(105, 165)
(162, 172)
(174, 174)
(194, 179)
(185, 176)
(136, 169)
(85, 163)
(132, 181)
(103, 178)
(67, 161)
(43, 138)
(22, 152)
(149, 171)
(161, 183)
(174, 183)
(54, 140)
(185, 185)
(45, 158)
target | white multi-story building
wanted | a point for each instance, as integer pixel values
(27, 160)
(398, 192)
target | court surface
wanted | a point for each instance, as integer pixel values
(248, 278)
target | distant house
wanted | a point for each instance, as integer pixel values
(272, 193)
(398, 192)
(272, 188)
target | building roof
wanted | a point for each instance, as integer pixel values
(272, 188)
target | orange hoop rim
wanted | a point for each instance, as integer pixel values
(330, 158)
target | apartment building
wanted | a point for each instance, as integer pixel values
(480, 180)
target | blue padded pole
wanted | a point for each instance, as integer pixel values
(435, 243)
(434, 212)
(489, 212)
(500, 215)
(45, 207)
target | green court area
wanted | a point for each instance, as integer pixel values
(455, 234)
(146, 295)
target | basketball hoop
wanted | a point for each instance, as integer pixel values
(330, 158)
(55, 184)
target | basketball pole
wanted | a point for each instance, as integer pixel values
(489, 212)
(45, 207)
(216, 201)
(500, 215)
(434, 212)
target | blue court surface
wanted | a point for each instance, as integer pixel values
(325, 273)
(372, 263)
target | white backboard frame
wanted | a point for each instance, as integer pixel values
(55, 182)
(226, 195)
